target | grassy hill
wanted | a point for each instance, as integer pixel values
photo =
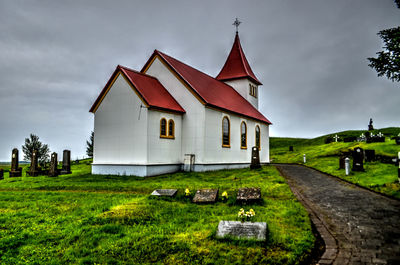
(378, 176)
(92, 219)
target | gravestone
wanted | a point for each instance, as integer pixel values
(53, 171)
(350, 139)
(370, 126)
(34, 169)
(358, 159)
(291, 148)
(66, 165)
(369, 155)
(1, 173)
(15, 171)
(398, 140)
(255, 158)
(245, 230)
(248, 195)
(342, 162)
(206, 196)
(164, 192)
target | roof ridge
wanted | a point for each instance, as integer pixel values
(135, 71)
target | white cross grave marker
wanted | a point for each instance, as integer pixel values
(336, 138)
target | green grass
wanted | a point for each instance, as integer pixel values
(92, 219)
(378, 176)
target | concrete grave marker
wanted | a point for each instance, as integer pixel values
(247, 230)
(66, 166)
(358, 159)
(255, 158)
(206, 196)
(248, 195)
(15, 171)
(164, 192)
(34, 169)
(369, 155)
(53, 171)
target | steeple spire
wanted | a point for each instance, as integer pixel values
(236, 65)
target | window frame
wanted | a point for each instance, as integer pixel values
(165, 135)
(241, 135)
(229, 132)
(253, 90)
(173, 128)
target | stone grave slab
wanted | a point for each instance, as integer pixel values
(358, 159)
(206, 196)
(164, 192)
(248, 195)
(15, 171)
(247, 230)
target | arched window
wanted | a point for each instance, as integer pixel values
(171, 128)
(243, 135)
(163, 127)
(226, 132)
(258, 137)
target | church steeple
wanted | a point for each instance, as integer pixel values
(236, 65)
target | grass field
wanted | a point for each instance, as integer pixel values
(87, 219)
(378, 176)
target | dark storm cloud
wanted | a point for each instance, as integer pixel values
(55, 57)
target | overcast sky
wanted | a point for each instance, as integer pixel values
(56, 56)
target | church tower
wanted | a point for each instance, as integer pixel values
(238, 74)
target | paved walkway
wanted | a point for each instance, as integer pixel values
(357, 225)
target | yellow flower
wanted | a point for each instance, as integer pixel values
(225, 195)
(187, 192)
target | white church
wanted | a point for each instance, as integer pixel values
(170, 117)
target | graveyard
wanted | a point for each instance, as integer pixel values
(323, 153)
(85, 219)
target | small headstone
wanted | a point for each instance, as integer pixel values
(15, 171)
(341, 162)
(369, 155)
(34, 169)
(53, 171)
(291, 148)
(248, 195)
(66, 165)
(1, 173)
(358, 159)
(347, 166)
(255, 158)
(164, 192)
(246, 230)
(206, 196)
(398, 140)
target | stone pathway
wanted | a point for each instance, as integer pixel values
(357, 225)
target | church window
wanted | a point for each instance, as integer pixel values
(226, 131)
(163, 127)
(253, 90)
(171, 129)
(243, 135)
(258, 137)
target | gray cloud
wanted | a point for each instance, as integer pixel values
(310, 55)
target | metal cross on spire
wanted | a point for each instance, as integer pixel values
(236, 24)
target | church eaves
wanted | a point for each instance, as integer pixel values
(236, 65)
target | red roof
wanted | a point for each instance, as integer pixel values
(212, 92)
(236, 65)
(148, 88)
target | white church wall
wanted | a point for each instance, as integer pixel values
(242, 86)
(215, 153)
(193, 120)
(164, 150)
(120, 136)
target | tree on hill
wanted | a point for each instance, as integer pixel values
(33, 143)
(89, 145)
(388, 61)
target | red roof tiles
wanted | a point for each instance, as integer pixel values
(148, 88)
(236, 65)
(211, 91)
